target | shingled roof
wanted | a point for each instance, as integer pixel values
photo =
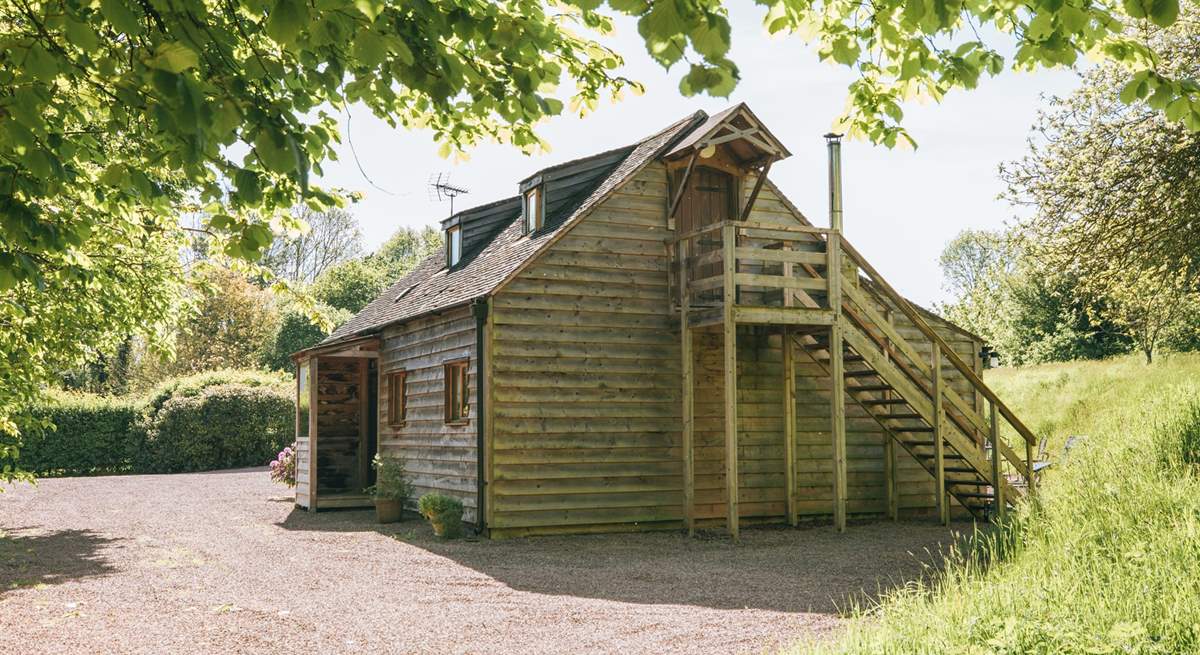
(431, 287)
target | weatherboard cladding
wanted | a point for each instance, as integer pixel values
(573, 189)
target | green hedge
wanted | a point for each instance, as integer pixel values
(91, 435)
(224, 426)
(216, 420)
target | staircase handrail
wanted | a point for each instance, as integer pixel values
(908, 310)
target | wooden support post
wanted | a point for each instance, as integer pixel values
(1029, 467)
(939, 441)
(889, 477)
(313, 405)
(687, 175)
(689, 386)
(889, 445)
(837, 409)
(789, 425)
(758, 184)
(997, 482)
(728, 238)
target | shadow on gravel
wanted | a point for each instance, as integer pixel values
(788, 570)
(29, 557)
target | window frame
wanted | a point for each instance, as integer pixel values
(453, 232)
(535, 219)
(397, 382)
(461, 368)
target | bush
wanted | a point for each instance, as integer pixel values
(193, 385)
(444, 514)
(283, 467)
(214, 420)
(87, 435)
(222, 426)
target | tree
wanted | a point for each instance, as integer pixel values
(119, 116)
(1111, 186)
(229, 325)
(1028, 312)
(297, 332)
(351, 285)
(1146, 304)
(406, 248)
(333, 236)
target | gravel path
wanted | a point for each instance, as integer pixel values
(220, 562)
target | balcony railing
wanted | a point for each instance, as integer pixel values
(759, 266)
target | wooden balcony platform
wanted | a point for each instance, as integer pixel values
(753, 315)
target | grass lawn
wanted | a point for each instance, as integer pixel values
(1107, 560)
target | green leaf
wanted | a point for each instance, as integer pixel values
(370, 8)
(1164, 12)
(286, 20)
(1136, 8)
(41, 64)
(174, 57)
(712, 41)
(273, 151)
(1178, 108)
(369, 48)
(122, 18)
(82, 35)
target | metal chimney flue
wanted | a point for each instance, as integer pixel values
(834, 141)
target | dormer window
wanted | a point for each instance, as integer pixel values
(453, 245)
(535, 210)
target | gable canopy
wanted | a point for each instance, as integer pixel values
(739, 133)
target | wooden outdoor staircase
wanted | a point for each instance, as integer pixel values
(830, 303)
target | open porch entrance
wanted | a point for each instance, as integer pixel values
(337, 429)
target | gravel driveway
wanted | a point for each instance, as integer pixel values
(221, 562)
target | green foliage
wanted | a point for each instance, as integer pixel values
(1104, 561)
(391, 481)
(444, 513)
(351, 285)
(1028, 312)
(219, 419)
(193, 385)
(406, 248)
(297, 332)
(221, 426)
(86, 435)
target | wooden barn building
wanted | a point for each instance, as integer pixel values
(650, 338)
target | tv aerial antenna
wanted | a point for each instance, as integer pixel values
(441, 189)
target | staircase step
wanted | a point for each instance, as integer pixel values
(903, 430)
(872, 387)
(969, 483)
(971, 494)
(861, 374)
(900, 416)
(885, 401)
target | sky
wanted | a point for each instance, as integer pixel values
(901, 205)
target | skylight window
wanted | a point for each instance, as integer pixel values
(534, 210)
(453, 245)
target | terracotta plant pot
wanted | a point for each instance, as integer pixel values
(449, 528)
(388, 510)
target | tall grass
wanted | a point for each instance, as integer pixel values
(1106, 560)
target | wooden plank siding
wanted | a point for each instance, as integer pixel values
(587, 405)
(439, 456)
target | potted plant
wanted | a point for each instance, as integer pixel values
(444, 514)
(391, 489)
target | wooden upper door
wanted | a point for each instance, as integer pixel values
(710, 197)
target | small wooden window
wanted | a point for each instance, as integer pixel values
(534, 210)
(397, 398)
(457, 405)
(453, 245)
